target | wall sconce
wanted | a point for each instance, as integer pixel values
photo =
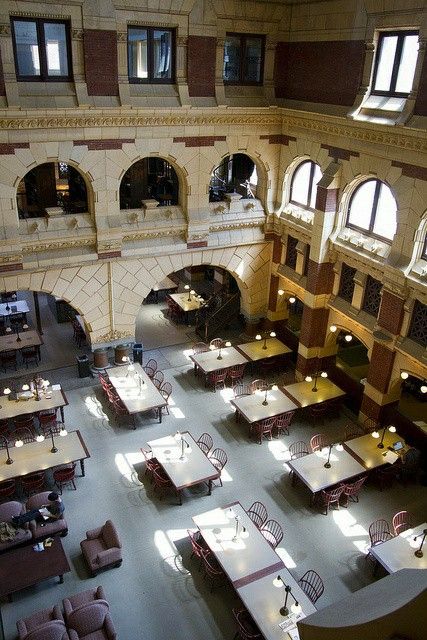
(333, 328)
(405, 375)
(295, 607)
(375, 434)
(292, 300)
(280, 292)
(348, 337)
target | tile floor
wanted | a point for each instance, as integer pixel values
(158, 592)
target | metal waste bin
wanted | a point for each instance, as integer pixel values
(83, 366)
(120, 351)
(137, 352)
(100, 358)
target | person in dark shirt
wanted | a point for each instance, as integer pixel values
(54, 506)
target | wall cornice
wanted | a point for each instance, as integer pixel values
(286, 119)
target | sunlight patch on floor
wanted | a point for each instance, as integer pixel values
(94, 407)
(126, 468)
(348, 524)
(167, 550)
(278, 449)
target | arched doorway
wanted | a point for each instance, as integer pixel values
(51, 185)
(236, 173)
(151, 178)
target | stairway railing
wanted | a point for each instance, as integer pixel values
(219, 311)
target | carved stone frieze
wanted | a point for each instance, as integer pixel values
(140, 235)
(237, 225)
(77, 34)
(5, 30)
(11, 258)
(113, 335)
(54, 246)
(33, 14)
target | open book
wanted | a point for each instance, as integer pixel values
(45, 513)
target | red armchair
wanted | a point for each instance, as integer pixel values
(91, 621)
(102, 548)
(47, 624)
(23, 534)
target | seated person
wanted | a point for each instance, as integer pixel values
(54, 510)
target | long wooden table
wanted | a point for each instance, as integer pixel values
(251, 565)
(311, 471)
(208, 360)
(399, 552)
(29, 338)
(37, 456)
(365, 450)
(10, 409)
(255, 351)
(187, 305)
(301, 392)
(135, 397)
(18, 306)
(252, 408)
(191, 469)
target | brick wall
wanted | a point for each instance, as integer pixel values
(277, 249)
(326, 199)
(391, 312)
(380, 367)
(327, 72)
(320, 277)
(313, 326)
(100, 56)
(201, 55)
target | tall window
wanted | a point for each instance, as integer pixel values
(304, 184)
(243, 59)
(291, 252)
(346, 289)
(372, 296)
(418, 329)
(373, 210)
(151, 55)
(395, 63)
(42, 49)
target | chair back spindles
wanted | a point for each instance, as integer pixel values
(312, 585)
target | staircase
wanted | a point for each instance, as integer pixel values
(218, 312)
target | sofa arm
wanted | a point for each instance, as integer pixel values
(94, 533)
(109, 628)
(57, 613)
(100, 593)
(67, 607)
(109, 556)
(73, 635)
(22, 629)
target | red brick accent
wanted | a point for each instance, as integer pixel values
(100, 56)
(278, 139)
(8, 149)
(2, 85)
(391, 312)
(17, 266)
(272, 300)
(197, 245)
(339, 154)
(370, 408)
(308, 366)
(420, 108)
(319, 71)
(314, 324)
(320, 277)
(277, 249)
(380, 367)
(410, 170)
(270, 235)
(326, 199)
(104, 255)
(200, 141)
(100, 145)
(201, 55)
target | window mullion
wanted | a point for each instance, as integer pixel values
(310, 184)
(150, 54)
(396, 63)
(42, 49)
(374, 206)
(242, 58)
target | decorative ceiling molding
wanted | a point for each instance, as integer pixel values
(54, 246)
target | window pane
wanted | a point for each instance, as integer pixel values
(300, 183)
(27, 50)
(385, 218)
(137, 53)
(162, 50)
(408, 61)
(56, 49)
(316, 177)
(361, 205)
(385, 63)
(231, 59)
(252, 61)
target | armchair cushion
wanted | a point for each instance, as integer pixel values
(102, 550)
(22, 534)
(110, 535)
(47, 528)
(37, 620)
(79, 599)
(90, 619)
(53, 630)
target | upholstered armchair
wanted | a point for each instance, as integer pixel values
(23, 534)
(47, 624)
(91, 621)
(102, 548)
(84, 597)
(42, 530)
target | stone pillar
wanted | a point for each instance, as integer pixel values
(377, 393)
(276, 311)
(320, 277)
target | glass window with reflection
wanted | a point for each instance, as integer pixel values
(395, 63)
(243, 59)
(42, 49)
(304, 184)
(151, 55)
(373, 210)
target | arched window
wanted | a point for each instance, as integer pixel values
(235, 173)
(149, 179)
(304, 184)
(424, 251)
(373, 210)
(51, 185)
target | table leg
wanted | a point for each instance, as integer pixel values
(61, 578)
(209, 487)
(133, 422)
(160, 414)
(82, 467)
(312, 499)
(179, 495)
(61, 409)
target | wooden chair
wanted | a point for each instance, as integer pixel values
(24, 422)
(328, 498)
(258, 385)
(165, 391)
(272, 532)
(298, 449)
(242, 389)
(283, 422)
(205, 443)
(216, 343)
(65, 475)
(318, 442)
(199, 347)
(158, 378)
(247, 629)
(150, 368)
(257, 513)
(402, 521)
(352, 490)
(319, 411)
(151, 463)
(33, 483)
(218, 457)
(198, 545)
(24, 434)
(8, 359)
(312, 585)
(212, 569)
(160, 480)
(379, 531)
(236, 373)
(30, 355)
(264, 428)
(217, 378)
(7, 489)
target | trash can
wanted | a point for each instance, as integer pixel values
(120, 351)
(100, 358)
(137, 352)
(83, 366)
